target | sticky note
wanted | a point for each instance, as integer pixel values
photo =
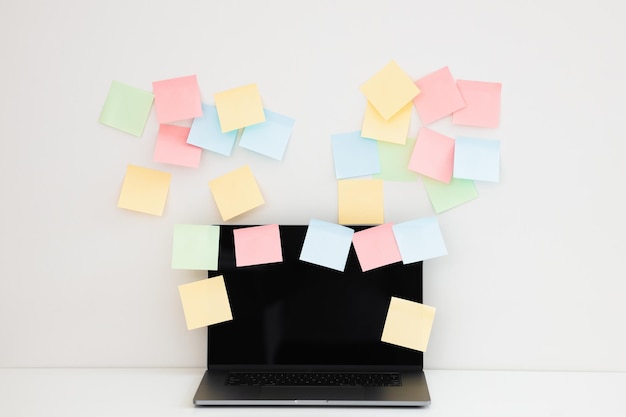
(408, 324)
(482, 104)
(376, 247)
(177, 99)
(236, 192)
(439, 96)
(327, 244)
(206, 133)
(205, 302)
(419, 239)
(394, 161)
(354, 156)
(360, 201)
(446, 196)
(239, 107)
(172, 147)
(389, 90)
(256, 245)
(195, 247)
(477, 159)
(126, 108)
(269, 138)
(144, 190)
(394, 130)
(433, 155)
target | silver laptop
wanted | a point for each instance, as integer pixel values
(303, 334)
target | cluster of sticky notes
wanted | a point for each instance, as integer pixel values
(382, 149)
(235, 113)
(326, 244)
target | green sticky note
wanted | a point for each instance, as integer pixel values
(394, 161)
(126, 108)
(446, 196)
(195, 247)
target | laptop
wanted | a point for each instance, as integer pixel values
(304, 334)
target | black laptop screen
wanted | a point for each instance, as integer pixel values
(295, 313)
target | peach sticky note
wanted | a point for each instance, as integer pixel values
(236, 192)
(177, 99)
(376, 246)
(408, 324)
(172, 147)
(482, 104)
(239, 107)
(360, 201)
(433, 155)
(144, 190)
(439, 96)
(257, 245)
(389, 90)
(205, 302)
(394, 130)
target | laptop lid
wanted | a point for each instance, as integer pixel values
(297, 315)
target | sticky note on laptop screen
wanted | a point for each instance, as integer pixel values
(257, 245)
(205, 302)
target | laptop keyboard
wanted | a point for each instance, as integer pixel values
(368, 379)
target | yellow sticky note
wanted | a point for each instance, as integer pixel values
(408, 324)
(360, 201)
(394, 130)
(205, 302)
(144, 190)
(239, 107)
(389, 90)
(236, 192)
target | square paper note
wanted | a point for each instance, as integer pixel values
(172, 147)
(177, 99)
(376, 247)
(195, 247)
(327, 244)
(205, 302)
(257, 245)
(126, 108)
(439, 97)
(394, 130)
(477, 159)
(206, 133)
(269, 138)
(354, 156)
(144, 190)
(408, 324)
(419, 239)
(433, 155)
(239, 107)
(361, 201)
(482, 104)
(236, 192)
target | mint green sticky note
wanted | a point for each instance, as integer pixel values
(126, 108)
(394, 161)
(195, 247)
(446, 196)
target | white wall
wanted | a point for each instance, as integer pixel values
(534, 278)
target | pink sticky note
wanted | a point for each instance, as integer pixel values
(177, 99)
(433, 155)
(257, 245)
(439, 98)
(482, 104)
(172, 147)
(376, 247)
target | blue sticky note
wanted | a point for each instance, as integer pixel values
(477, 159)
(270, 137)
(419, 239)
(354, 156)
(327, 244)
(206, 133)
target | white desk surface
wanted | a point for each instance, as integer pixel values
(168, 392)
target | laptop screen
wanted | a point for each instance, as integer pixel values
(296, 313)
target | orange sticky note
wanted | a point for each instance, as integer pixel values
(239, 107)
(205, 302)
(408, 324)
(360, 201)
(394, 130)
(177, 99)
(482, 104)
(439, 97)
(389, 90)
(144, 190)
(433, 155)
(376, 246)
(236, 192)
(257, 245)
